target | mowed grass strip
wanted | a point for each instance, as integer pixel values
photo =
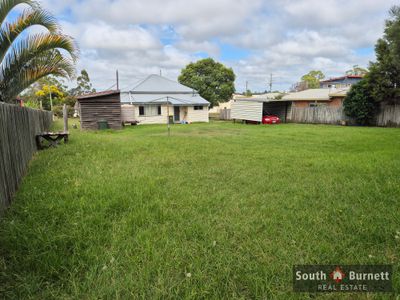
(215, 211)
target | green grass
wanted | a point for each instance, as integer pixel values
(128, 214)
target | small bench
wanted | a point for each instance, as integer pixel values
(53, 139)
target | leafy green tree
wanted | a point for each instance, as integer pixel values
(211, 79)
(25, 58)
(313, 78)
(359, 104)
(384, 76)
(356, 70)
(84, 86)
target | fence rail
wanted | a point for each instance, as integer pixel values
(18, 129)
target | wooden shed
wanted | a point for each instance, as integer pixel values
(100, 107)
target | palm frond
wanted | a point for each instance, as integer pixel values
(7, 5)
(30, 17)
(49, 62)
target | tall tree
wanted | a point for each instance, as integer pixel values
(25, 57)
(384, 74)
(211, 79)
(84, 86)
(313, 78)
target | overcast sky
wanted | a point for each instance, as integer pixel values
(256, 38)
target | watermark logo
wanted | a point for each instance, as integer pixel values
(342, 278)
(337, 275)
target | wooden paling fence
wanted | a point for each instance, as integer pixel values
(317, 115)
(225, 114)
(389, 115)
(18, 129)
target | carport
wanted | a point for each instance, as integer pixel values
(254, 108)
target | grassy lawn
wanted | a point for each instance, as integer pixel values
(215, 211)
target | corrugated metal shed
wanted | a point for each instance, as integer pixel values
(247, 110)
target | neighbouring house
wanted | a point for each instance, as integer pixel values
(317, 97)
(158, 100)
(99, 107)
(221, 106)
(345, 81)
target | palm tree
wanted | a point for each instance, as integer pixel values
(25, 58)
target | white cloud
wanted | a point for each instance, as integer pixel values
(284, 37)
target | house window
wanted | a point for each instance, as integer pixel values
(315, 104)
(141, 110)
(149, 110)
(198, 108)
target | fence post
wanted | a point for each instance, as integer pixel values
(65, 116)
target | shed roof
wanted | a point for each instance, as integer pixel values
(311, 94)
(98, 94)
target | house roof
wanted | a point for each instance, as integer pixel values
(157, 84)
(172, 98)
(98, 94)
(342, 78)
(267, 97)
(315, 95)
(156, 89)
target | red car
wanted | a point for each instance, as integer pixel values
(270, 119)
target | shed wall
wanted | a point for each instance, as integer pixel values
(247, 110)
(96, 109)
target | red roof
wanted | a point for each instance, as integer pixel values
(342, 77)
(98, 94)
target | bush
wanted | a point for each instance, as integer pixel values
(359, 103)
(58, 111)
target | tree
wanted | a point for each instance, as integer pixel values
(84, 86)
(384, 76)
(211, 79)
(359, 104)
(30, 95)
(356, 70)
(44, 94)
(24, 57)
(312, 79)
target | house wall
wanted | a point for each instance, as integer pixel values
(196, 115)
(131, 113)
(335, 102)
(100, 108)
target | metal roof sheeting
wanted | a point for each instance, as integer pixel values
(158, 84)
(174, 99)
(156, 89)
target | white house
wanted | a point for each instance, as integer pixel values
(157, 99)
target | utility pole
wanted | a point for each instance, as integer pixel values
(270, 83)
(247, 86)
(117, 80)
(160, 72)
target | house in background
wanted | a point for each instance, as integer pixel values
(317, 97)
(345, 81)
(157, 99)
